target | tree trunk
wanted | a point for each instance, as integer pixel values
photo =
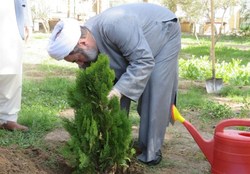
(68, 12)
(212, 50)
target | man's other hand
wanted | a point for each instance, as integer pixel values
(114, 93)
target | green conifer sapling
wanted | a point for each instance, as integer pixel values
(100, 132)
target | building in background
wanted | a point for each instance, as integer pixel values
(82, 10)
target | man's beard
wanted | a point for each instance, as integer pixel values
(90, 54)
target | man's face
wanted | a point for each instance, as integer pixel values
(83, 56)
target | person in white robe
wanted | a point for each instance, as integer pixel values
(15, 23)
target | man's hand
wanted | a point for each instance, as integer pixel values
(114, 93)
(26, 34)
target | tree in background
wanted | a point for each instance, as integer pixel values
(171, 4)
(101, 132)
(199, 11)
(224, 5)
(245, 17)
(40, 11)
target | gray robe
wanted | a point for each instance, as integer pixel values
(143, 45)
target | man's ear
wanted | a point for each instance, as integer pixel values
(82, 42)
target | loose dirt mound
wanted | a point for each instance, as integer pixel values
(30, 161)
(14, 161)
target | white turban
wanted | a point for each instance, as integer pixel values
(64, 38)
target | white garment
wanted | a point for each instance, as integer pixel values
(10, 96)
(10, 63)
(10, 42)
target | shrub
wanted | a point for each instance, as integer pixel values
(200, 69)
(101, 131)
(195, 68)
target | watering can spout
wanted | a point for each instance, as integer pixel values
(206, 146)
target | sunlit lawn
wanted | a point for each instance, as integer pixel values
(226, 49)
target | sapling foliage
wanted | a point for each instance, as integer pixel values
(101, 131)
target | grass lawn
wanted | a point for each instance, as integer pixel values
(226, 49)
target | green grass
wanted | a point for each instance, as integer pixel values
(215, 110)
(222, 53)
(231, 40)
(59, 71)
(234, 91)
(197, 99)
(237, 40)
(193, 98)
(226, 49)
(41, 102)
(133, 115)
(40, 36)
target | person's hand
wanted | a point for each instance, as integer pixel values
(26, 33)
(114, 93)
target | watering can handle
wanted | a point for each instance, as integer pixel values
(231, 122)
